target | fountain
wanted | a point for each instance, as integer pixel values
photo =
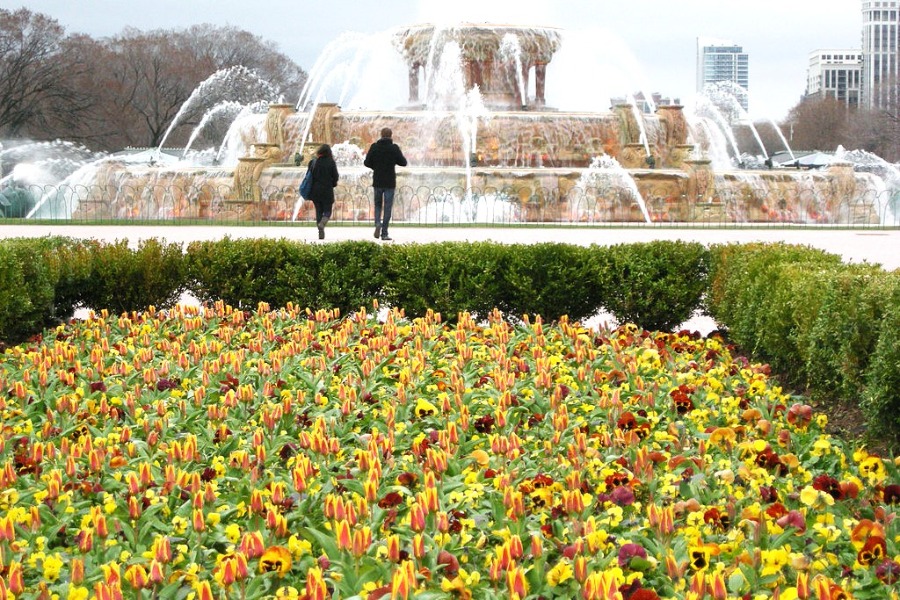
(484, 145)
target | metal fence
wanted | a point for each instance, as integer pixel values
(448, 206)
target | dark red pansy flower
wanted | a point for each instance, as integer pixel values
(166, 384)
(542, 480)
(777, 510)
(829, 485)
(768, 493)
(717, 519)
(888, 572)
(643, 594)
(484, 424)
(626, 422)
(408, 479)
(891, 494)
(629, 551)
(622, 496)
(390, 500)
(616, 480)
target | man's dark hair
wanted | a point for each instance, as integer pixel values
(386, 132)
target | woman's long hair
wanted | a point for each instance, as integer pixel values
(324, 150)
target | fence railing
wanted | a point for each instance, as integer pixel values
(436, 206)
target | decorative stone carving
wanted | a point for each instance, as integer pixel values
(275, 119)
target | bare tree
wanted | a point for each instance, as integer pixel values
(229, 46)
(148, 76)
(818, 124)
(877, 131)
(36, 75)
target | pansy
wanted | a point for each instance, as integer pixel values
(276, 559)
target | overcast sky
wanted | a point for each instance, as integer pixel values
(653, 40)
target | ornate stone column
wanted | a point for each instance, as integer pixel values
(414, 83)
(275, 119)
(701, 188)
(629, 131)
(246, 178)
(540, 83)
(321, 130)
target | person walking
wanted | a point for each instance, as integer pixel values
(324, 179)
(383, 157)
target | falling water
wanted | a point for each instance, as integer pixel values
(639, 119)
(511, 50)
(227, 108)
(781, 137)
(706, 109)
(250, 118)
(238, 84)
(605, 174)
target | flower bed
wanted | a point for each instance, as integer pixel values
(284, 453)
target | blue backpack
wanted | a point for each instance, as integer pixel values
(307, 183)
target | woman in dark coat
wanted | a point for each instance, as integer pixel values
(325, 179)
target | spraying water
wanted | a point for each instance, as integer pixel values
(237, 84)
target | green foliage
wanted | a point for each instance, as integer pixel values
(841, 340)
(881, 400)
(448, 277)
(758, 291)
(820, 323)
(123, 279)
(26, 304)
(242, 273)
(734, 267)
(350, 275)
(656, 285)
(551, 280)
(71, 262)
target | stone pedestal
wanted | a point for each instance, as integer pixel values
(701, 181)
(678, 155)
(246, 178)
(629, 128)
(634, 156)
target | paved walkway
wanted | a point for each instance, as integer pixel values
(879, 246)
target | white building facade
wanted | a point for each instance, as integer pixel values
(722, 61)
(836, 74)
(880, 53)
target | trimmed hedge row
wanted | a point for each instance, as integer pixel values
(826, 326)
(656, 285)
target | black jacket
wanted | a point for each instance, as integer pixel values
(325, 179)
(383, 157)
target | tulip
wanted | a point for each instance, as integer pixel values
(137, 576)
(315, 585)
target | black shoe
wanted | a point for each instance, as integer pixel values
(377, 231)
(321, 233)
(386, 238)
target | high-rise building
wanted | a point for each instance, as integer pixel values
(834, 74)
(721, 61)
(881, 53)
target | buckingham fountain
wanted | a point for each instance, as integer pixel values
(483, 145)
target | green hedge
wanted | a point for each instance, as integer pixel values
(657, 285)
(244, 272)
(827, 326)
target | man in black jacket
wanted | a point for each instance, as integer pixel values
(383, 157)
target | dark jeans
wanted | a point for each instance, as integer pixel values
(384, 206)
(322, 210)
